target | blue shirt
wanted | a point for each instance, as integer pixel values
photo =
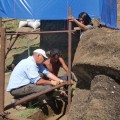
(25, 72)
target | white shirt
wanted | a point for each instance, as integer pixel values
(25, 72)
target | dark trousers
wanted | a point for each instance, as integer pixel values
(29, 89)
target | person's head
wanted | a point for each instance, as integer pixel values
(39, 55)
(55, 54)
(84, 18)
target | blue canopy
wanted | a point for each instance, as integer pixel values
(106, 10)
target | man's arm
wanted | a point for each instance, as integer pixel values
(47, 82)
(49, 74)
(53, 77)
(63, 65)
(82, 26)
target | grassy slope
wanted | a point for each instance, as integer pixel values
(20, 48)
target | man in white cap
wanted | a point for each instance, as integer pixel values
(25, 78)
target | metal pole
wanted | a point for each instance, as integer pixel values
(41, 32)
(11, 46)
(0, 22)
(30, 97)
(28, 47)
(69, 60)
(2, 68)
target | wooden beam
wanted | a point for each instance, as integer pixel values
(0, 22)
(2, 68)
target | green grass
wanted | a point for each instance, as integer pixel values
(26, 113)
(73, 88)
(11, 25)
(20, 47)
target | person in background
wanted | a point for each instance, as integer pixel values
(25, 78)
(84, 22)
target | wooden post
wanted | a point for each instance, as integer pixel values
(69, 60)
(2, 68)
(0, 22)
(118, 21)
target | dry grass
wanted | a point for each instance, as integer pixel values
(24, 44)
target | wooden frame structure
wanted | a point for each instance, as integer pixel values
(3, 34)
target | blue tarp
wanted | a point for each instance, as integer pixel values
(106, 10)
(108, 13)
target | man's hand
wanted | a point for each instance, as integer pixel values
(74, 77)
(70, 18)
(54, 83)
(71, 81)
(61, 81)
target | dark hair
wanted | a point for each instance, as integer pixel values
(85, 17)
(54, 52)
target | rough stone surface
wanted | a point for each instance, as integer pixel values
(96, 65)
(101, 102)
(98, 53)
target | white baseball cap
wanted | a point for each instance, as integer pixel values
(40, 51)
